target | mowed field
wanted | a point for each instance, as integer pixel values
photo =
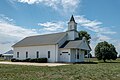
(99, 71)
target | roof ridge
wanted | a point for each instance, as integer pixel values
(45, 34)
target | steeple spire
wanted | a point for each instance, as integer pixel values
(72, 19)
(72, 29)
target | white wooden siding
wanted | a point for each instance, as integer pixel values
(43, 52)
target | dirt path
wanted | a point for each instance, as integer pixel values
(34, 64)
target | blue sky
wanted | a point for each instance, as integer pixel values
(21, 18)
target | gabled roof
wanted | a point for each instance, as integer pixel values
(73, 44)
(8, 53)
(47, 39)
(77, 44)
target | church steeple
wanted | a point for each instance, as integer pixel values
(72, 19)
(72, 25)
(72, 29)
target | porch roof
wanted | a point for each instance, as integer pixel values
(77, 44)
(73, 44)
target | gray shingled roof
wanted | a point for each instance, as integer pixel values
(40, 40)
(73, 44)
(9, 52)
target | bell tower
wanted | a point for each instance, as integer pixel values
(72, 29)
(72, 25)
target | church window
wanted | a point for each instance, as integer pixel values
(77, 54)
(48, 54)
(17, 54)
(26, 54)
(37, 54)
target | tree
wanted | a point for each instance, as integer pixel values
(113, 52)
(105, 51)
(85, 34)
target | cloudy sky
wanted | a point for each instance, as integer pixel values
(21, 18)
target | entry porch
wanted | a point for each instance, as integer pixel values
(71, 55)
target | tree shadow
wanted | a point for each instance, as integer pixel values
(108, 62)
(93, 62)
(85, 63)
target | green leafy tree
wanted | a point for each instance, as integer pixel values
(113, 52)
(105, 51)
(85, 34)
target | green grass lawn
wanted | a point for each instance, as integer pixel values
(100, 71)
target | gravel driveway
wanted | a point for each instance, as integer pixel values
(34, 64)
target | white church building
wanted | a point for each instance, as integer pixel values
(56, 47)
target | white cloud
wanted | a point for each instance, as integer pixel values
(16, 31)
(5, 19)
(10, 33)
(66, 6)
(70, 5)
(93, 25)
(103, 38)
(53, 26)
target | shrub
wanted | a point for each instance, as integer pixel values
(13, 60)
(38, 60)
(41, 60)
(27, 60)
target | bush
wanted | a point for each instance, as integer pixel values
(26, 60)
(38, 60)
(41, 60)
(14, 60)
